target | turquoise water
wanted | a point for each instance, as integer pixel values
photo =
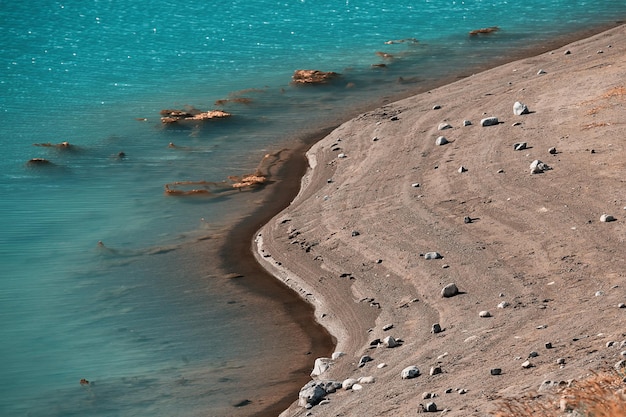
(144, 317)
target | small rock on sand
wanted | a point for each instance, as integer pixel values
(489, 121)
(432, 255)
(444, 126)
(410, 372)
(441, 140)
(495, 371)
(449, 290)
(537, 167)
(484, 314)
(605, 218)
(436, 328)
(520, 108)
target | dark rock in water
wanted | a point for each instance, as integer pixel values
(243, 403)
(39, 161)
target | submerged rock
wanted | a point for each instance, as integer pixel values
(312, 76)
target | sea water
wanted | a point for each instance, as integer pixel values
(142, 315)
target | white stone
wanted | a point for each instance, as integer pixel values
(607, 218)
(449, 290)
(348, 383)
(503, 304)
(484, 314)
(441, 140)
(444, 126)
(520, 108)
(390, 342)
(366, 380)
(337, 355)
(410, 372)
(357, 387)
(489, 121)
(432, 255)
(321, 366)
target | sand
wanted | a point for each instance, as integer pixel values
(351, 241)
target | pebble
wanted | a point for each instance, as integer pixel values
(449, 290)
(357, 387)
(621, 305)
(484, 314)
(462, 169)
(607, 218)
(560, 361)
(427, 395)
(541, 72)
(364, 359)
(387, 327)
(415, 185)
(548, 345)
(527, 364)
(489, 121)
(520, 146)
(431, 407)
(444, 126)
(348, 383)
(441, 140)
(436, 328)
(520, 108)
(381, 365)
(495, 371)
(410, 372)
(342, 155)
(467, 123)
(461, 391)
(503, 304)
(337, 355)
(537, 167)
(390, 342)
(467, 219)
(436, 107)
(432, 255)
(366, 380)
(435, 370)
(552, 151)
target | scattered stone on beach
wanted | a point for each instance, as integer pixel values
(537, 167)
(560, 361)
(436, 107)
(552, 151)
(503, 304)
(449, 290)
(467, 123)
(348, 383)
(621, 305)
(541, 72)
(337, 355)
(527, 364)
(520, 146)
(444, 126)
(435, 370)
(415, 185)
(355, 233)
(489, 121)
(431, 407)
(461, 391)
(366, 380)
(342, 156)
(520, 108)
(357, 387)
(315, 391)
(381, 365)
(462, 169)
(548, 345)
(390, 342)
(364, 359)
(321, 365)
(495, 371)
(441, 140)
(432, 255)
(428, 395)
(387, 327)
(484, 314)
(410, 372)
(312, 76)
(436, 328)
(605, 218)
(467, 219)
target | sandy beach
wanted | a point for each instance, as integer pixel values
(528, 249)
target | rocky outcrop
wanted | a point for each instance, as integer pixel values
(312, 76)
(173, 116)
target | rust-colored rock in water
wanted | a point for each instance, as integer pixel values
(173, 116)
(484, 31)
(312, 76)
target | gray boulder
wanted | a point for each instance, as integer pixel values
(489, 121)
(537, 167)
(432, 255)
(315, 391)
(441, 140)
(410, 372)
(449, 290)
(520, 108)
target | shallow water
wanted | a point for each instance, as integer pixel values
(145, 317)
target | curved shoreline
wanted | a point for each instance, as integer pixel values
(299, 284)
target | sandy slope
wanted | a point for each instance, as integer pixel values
(536, 241)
